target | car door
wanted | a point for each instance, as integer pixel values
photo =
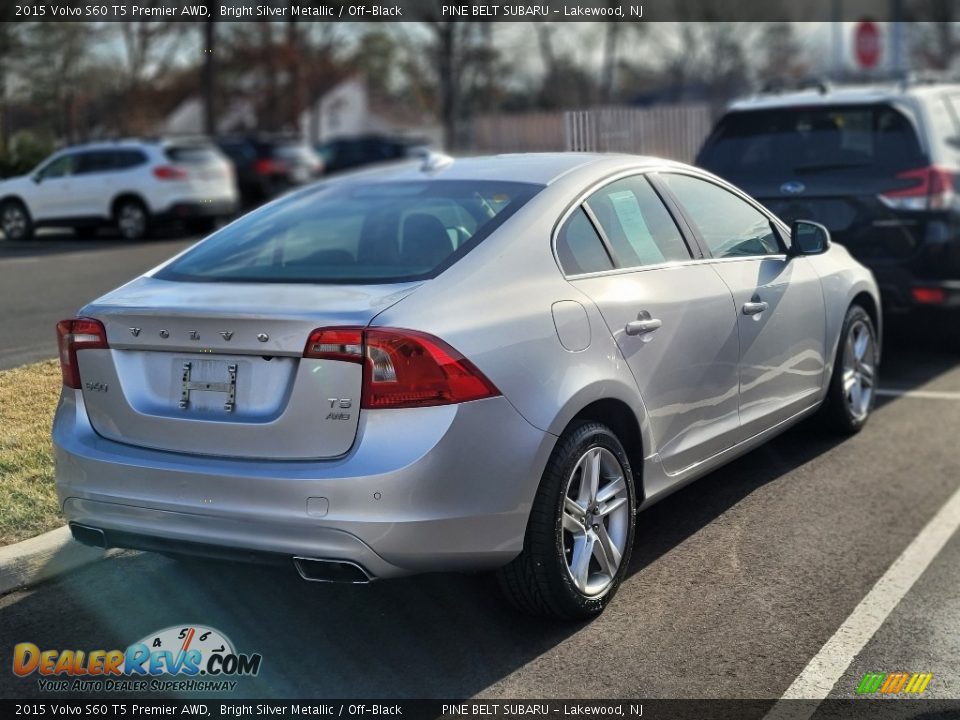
(94, 184)
(672, 317)
(50, 198)
(779, 301)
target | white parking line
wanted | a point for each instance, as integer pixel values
(828, 666)
(919, 394)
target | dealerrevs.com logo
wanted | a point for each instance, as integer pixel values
(201, 658)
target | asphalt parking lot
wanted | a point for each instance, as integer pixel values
(736, 583)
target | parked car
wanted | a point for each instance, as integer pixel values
(489, 363)
(267, 166)
(355, 152)
(132, 185)
(878, 165)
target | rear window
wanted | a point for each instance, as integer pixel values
(355, 233)
(192, 154)
(811, 140)
(297, 152)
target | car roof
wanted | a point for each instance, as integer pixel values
(536, 168)
(864, 94)
(138, 143)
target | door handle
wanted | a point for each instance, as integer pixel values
(754, 307)
(642, 327)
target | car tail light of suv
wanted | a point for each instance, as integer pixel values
(933, 190)
(269, 166)
(168, 172)
(74, 335)
(402, 368)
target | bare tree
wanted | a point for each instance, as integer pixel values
(56, 56)
(934, 41)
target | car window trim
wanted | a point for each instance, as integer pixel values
(690, 237)
(601, 233)
(581, 200)
(695, 244)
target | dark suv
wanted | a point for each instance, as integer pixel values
(268, 165)
(878, 165)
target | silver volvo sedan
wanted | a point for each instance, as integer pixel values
(490, 363)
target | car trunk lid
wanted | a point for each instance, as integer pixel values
(218, 368)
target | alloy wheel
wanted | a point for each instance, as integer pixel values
(859, 369)
(596, 521)
(14, 222)
(132, 221)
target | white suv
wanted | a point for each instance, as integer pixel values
(132, 185)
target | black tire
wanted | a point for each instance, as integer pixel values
(838, 411)
(86, 232)
(132, 220)
(200, 226)
(15, 221)
(540, 581)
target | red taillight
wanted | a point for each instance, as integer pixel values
(167, 172)
(932, 190)
(402, 368)
(73, 335)
(269, 166)
(929, 296)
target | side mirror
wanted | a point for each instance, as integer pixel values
(808, 238)
(36, 177)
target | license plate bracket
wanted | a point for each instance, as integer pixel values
(187, 385)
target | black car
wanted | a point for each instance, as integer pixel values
(879, 166)
(354, 152)
(267, 166)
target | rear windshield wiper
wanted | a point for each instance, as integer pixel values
(818, 167)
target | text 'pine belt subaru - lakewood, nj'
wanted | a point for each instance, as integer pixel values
(490, 363)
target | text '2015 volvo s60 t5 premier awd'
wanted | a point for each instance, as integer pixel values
(489, 363)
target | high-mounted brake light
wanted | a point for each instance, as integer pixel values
(932, 190)
(73, 335)
(167, 172)
(402, 368)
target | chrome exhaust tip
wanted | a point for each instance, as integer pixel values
(332, 571)
(94, 537)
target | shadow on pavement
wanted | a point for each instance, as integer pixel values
(65, 241)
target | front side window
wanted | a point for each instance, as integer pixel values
(730, 226)
(636, 223)
(372, 232)
(61, 167)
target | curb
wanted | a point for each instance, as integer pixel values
(29, 562)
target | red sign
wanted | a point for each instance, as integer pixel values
(867, 44)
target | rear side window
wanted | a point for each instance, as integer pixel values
(730, 226)
(355, 233)
(100, 161)
(637, 224)
(579, 248)
(793, 141)
(192, 154)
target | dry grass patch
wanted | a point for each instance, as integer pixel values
(28, 501)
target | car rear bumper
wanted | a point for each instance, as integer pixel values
(903, 292)
(444, 488)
